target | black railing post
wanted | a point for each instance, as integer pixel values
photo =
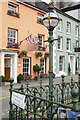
(62, 88)
(10, 102)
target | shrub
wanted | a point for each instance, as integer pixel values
(20, 77)
(37, 69)
(2, 78)
(39, 54)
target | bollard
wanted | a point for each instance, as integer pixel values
(75, 93)
(10, 102)
(63, 76)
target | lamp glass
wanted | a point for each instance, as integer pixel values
(52, 21)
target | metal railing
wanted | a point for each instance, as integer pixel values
(38, 105)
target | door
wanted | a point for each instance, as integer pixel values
(7, 69)
(7, 74)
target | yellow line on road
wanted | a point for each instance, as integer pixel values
(4, 97)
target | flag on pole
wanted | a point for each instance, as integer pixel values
(37, 41)
(30, 39)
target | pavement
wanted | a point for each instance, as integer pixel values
(4, 92)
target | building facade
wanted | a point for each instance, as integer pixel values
(20, 20)
(67, 34)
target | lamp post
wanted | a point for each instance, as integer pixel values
(50, 21)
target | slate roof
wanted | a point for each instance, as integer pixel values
(77, 6)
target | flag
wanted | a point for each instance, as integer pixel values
(30, 39)
(37, 41)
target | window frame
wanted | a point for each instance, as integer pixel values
(39, 40)
(44, 65)
(61, 64)
(29, 72)
(69, 46)
(76, 30)
(61, 43)
(14, 6)
(68, 29)
(16, 33)
(60, 25)
(39, 16)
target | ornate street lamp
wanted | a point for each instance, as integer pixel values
(50, 21)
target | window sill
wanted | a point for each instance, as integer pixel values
(13, 47)
(59, 50)
(13, 14)
(68, 51)
(68, 33)
(40, 23)
(60, 31)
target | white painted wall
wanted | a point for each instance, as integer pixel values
(73, 13)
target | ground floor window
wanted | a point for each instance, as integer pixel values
(43, 65)
(60, 63)
(26, 65)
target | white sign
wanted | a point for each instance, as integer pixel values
(18, 100)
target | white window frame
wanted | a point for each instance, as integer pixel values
(26, 72)
(12, 7)
(68, 28)
(76, 30)
(41, 40)
(43, 65)
(60, 25)
(11, 35)
(61, 63)
(39, 16)
(68, 44)
(60, 43)
(77, 44)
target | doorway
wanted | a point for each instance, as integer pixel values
(7, 62)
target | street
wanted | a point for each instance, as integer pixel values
(4, 94)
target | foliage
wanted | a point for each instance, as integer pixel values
(37, 69)
(13, 44)
(20, 77)
(46, 54)
(24, 52)
(41, 48)
(12, 12)
(69, 68)
(39, 54)
(27, 76)
(2, 78)
(43, 75)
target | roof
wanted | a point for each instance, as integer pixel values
(44, 7)
(71, 8)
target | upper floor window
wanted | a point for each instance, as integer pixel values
(40, 43)
(77, 44)
(68, 27)
(12, 35)
(68, 44)
(76, 30)
(60, 25)
(59, 42)
(39, 18)
(13, 9)
(60, 63)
